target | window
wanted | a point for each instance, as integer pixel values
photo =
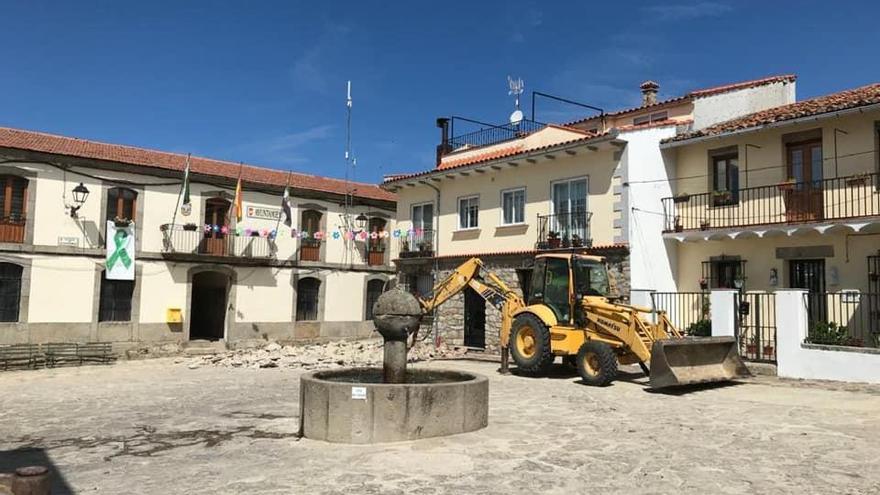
(659, 116)
(569, 217)
(310, 222)
(115, 302)
(556, 288)
(468, 212)
(307, 291)
(642, 120)
(723, 272)
(725, 177)
(374, 290)
(10, 291)
(513, 206)
(13, 200)
(121, 204)
(423, 216)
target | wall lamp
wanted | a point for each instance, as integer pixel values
(361, 221)
(80, 194)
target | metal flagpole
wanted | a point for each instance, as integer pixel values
(286, 185)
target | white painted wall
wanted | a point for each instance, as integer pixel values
(710, 110)
(651, 259)
(796, 361)
(723, 308)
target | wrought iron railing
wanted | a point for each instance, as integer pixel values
(564, 230)
(756, 326)
(787, 202)
(494, 134)
(847, 318)
(179, 239)
(375, 250)
(688, 311)
(12, 228)
(418, 243)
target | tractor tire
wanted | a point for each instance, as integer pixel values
(530, 344)
(596, 363)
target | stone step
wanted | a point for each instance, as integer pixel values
(203, 347)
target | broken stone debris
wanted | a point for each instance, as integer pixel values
(318, 356)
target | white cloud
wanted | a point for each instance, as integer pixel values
(679, 12)
(312, 69)
(287, 148)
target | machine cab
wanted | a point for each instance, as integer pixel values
(559, 281)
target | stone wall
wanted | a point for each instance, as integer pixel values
(449, 318)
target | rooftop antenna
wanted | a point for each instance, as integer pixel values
(516, 89)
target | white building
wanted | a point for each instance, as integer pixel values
(202, 276)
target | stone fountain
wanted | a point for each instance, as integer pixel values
(392, 403)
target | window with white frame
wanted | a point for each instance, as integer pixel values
(468, 211)
(423, 216)
(513, 206)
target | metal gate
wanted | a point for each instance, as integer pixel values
(874, 294)
(756, 326)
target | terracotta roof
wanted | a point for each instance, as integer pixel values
(490, 156)
(81, 148)
(698, 93)
(851, 98)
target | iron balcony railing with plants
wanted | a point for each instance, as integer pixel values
(564, 230)
(418, 243)
(786, 202)
(493, 135)
(846, 318)
(375, 249)
(192, 240)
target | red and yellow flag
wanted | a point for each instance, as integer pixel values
(237, 202)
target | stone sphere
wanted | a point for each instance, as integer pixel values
(396, 314)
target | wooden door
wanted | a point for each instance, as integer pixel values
(216, 214)
(805, 200)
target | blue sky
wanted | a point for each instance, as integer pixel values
(264, 82)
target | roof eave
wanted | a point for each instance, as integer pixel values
(393, 186)
(772, 125)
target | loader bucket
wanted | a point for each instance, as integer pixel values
(684, 361)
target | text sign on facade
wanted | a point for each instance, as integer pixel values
(68, 241)
(120, 252)
(264, 213)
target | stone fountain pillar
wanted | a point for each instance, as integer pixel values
(396, 314)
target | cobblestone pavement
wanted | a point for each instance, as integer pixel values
(158, 427)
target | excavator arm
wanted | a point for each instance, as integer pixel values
(489, 286)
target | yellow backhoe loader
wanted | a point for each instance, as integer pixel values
(568, 312)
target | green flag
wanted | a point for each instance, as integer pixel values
(186, 206)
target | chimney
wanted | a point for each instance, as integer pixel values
(649, 92)
(443, 148)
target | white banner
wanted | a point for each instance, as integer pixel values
(120, 252)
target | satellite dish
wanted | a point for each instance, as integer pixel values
(516, 117)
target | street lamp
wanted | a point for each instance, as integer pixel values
(80, 194)
(361, 221)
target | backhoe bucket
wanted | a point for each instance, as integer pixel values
(684, 361)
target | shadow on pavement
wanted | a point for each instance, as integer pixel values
(10, 460)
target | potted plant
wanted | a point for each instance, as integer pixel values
(768, 350)
(190, 227)
(576, 241)
(704, 225)
(553, 239)
(678, 226)
(681, 198)
(752, 346)
(787, 185)
(857, 180)
(704, 284)
(121, 222)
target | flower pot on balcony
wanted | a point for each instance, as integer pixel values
(376, 258)
(554, 243)
(121, 223)
(679, 227)
(768, 350)
(722, 197)
(704, 225)
(751, 349)
(681, 198)
(191, 227)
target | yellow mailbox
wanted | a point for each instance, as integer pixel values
(173, 315)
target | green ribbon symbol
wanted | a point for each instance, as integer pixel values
(120, 254)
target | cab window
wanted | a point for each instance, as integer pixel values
(590, 278)
(556, 288)
(536, 288)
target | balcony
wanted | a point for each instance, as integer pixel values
(836, 199)
(418, 244)
(564, 230)
(489, 135)
(185, 241)
(12, 229)
(375, 249)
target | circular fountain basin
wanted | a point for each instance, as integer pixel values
(354, 406)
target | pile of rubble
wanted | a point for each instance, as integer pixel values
(318, 356)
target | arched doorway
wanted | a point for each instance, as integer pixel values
(207, 318)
